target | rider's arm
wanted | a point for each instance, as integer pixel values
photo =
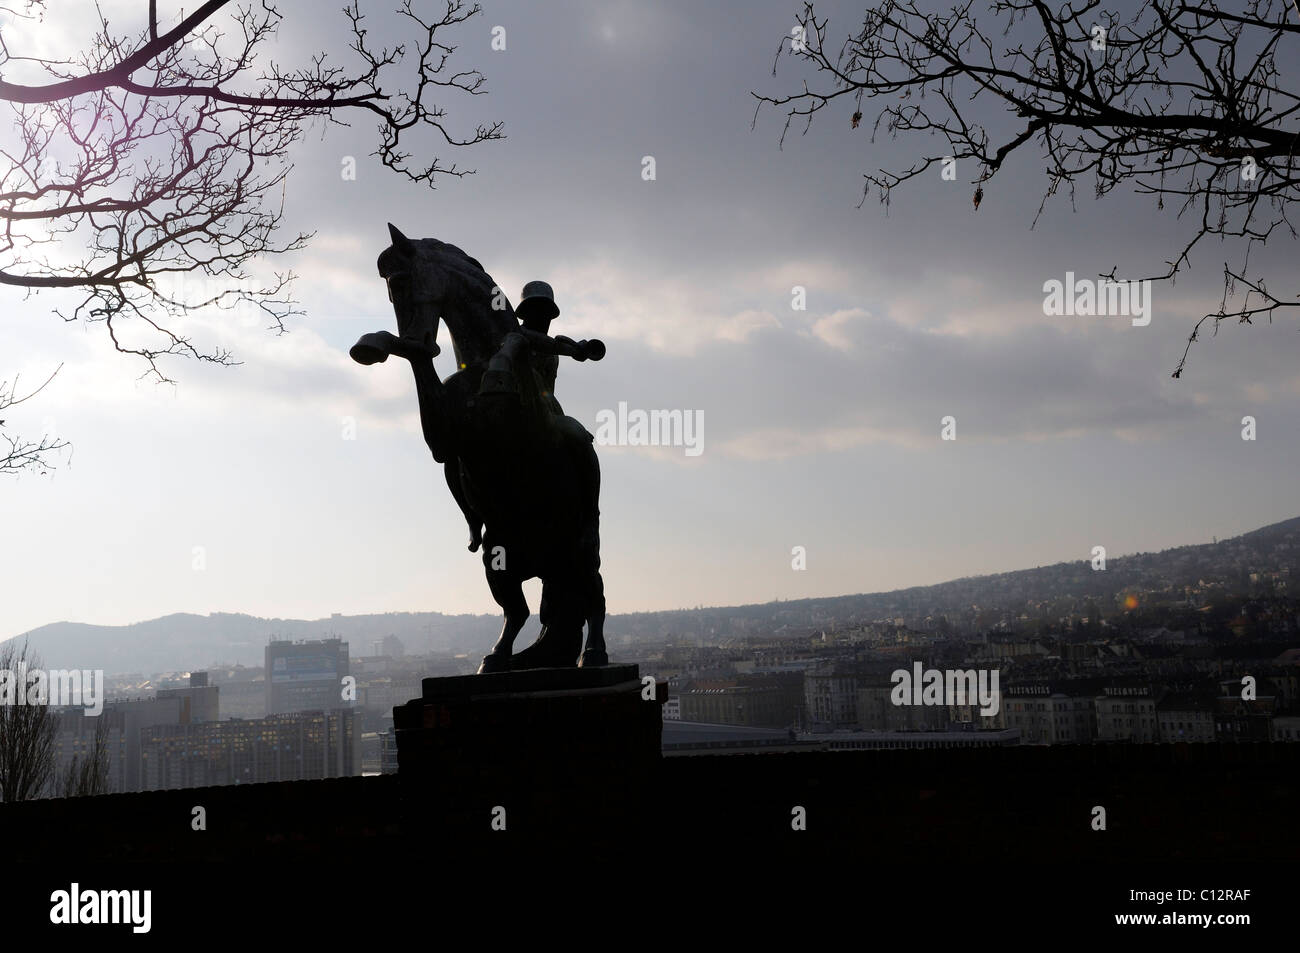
(567, 347)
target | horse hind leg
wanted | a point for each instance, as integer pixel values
(560, 641)
(508, 591)
(595, 653)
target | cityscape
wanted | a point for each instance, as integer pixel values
(1198, 644)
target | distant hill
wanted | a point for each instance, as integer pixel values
(184, 641)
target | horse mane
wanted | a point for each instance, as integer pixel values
(460, 264)
(458, 257)
(477, 289)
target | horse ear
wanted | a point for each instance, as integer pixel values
(400, 241)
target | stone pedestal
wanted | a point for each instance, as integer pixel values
(510, 736)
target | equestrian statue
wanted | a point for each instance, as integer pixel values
(524, 474)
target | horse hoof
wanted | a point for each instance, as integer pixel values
(494, 663)
(367, 354)
(593, 658)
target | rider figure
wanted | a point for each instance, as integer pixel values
(536, 310)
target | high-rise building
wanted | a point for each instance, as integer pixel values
(295, 746)
(126, 719)
(306, 675)
(198, 702)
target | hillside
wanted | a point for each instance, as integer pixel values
(183, 641)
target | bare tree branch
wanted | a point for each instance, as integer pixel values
(87, 773)
(18, 454)
(149, 171)
(26, 732)
(1180, 101)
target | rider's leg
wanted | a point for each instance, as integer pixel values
(501, 375)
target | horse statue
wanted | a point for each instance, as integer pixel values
(510, 458)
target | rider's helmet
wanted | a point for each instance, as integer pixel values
(538, 298)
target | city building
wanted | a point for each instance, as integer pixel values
(126, 720)
(388, 751)
(1238, 719)
(1052, 713)
(753, 702)
(1126, 711)
(1185, 716)
(306, 675)
(198, 702)
(1286, 728)
(877, 711)
(290, 746)
(831, 696)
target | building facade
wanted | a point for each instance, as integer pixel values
(306, 675)
(1127, 712)
(1052, 713)
(292, 746)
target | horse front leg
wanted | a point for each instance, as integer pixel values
(375, 348)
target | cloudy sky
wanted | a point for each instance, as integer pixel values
(821, 426)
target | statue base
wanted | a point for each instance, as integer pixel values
(538, 721)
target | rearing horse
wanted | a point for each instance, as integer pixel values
(529, 473)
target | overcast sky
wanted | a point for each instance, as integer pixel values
(821, 427)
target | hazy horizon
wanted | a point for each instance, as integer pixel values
(1112, 557)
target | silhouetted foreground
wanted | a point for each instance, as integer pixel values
(1002, 834)
(547, 795)
(1020, 804)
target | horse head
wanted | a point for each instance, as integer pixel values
(428, 281)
